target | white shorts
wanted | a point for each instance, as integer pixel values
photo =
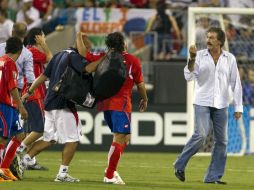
(61, 126)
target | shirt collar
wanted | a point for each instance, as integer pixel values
(224, 53)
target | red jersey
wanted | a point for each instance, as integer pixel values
(122, 100)
(41, 5)
(39, 59)
(8, 80)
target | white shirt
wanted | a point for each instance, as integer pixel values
(213, 81)
(33, 14)
(24, 65)
(5, 30)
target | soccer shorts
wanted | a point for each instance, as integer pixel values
(61, 126)
(118, 122)
(35, 121)
(9, 121)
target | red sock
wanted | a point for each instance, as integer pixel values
(113, 158)
(10, 152)
(1, 152)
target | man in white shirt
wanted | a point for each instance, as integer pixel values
(29, 15)
(214, 71)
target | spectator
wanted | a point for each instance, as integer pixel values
(202, 27)
(29, 15)
(11, 11)
(75, 3)
(5, 26)
(166, 26)
(45, 7)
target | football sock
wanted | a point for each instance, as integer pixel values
(22, 147)
(63, 170)
(113, 158)
(10, 152)
(27, 160)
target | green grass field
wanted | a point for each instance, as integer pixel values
(140, 171)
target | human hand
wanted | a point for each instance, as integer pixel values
(237, 115)
(142, 105)
(23, 112)
(40, 39)
(193, 51)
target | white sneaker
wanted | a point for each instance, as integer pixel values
(66, 178)
(115, 180)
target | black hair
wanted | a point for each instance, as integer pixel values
(115, 41)
(13, 45)
(30, 38)
(220, 34)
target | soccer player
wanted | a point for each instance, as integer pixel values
(10, 104)
(117, 109)
(34, 105)
(214, 70)
(61, 118)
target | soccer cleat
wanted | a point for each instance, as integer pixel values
(180, 175)
(7, 173)
(66, 178)
(217, 182)
(17, 168)
(115, 180)
(4, 177)
(4, 180)
(36, 166)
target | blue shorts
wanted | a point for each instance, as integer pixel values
(9, 121)
(118, 122)
(35, 121)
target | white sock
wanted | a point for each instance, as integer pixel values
(63, 170)
(27, 159)
(33, 161)
(22, 147)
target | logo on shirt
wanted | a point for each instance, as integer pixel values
(1, 63)
(126, 126)
(14, 75)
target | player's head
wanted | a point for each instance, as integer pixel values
(215, 36)
(31, 36)
(19, 30)
(13, 46)
(115, 41)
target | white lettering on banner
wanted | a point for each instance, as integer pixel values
(87, 127)
(100, 129)
(136, 139)
(171, 129)
(165, 130)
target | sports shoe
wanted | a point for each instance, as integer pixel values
(217, 182)
(3, 177)
(115, 180)
(36, 166)
(66, 178)
(4, 180)
(17, 168)
(7, 173)
(180, 174)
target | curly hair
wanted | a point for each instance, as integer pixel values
(115, 41)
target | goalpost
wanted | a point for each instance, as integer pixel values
(218, 14)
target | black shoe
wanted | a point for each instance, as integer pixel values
(180, 175)
(218, 182)
(36, 166)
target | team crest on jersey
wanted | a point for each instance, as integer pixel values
(126, 126)
(1, 63)
(14, 75)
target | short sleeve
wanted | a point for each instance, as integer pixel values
(137, 71)
(11, 77)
